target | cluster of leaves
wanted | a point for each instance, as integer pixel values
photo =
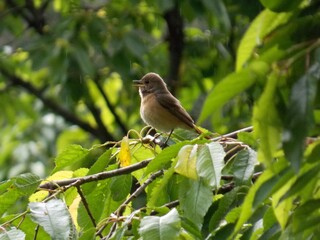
(174, 190)
(196, 189)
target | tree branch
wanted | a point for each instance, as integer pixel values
(95, 177)
(56, 108)
(176, 43)
(135, 194)
(233, 134)
(97, 116)
(33, 16)
(111, 107)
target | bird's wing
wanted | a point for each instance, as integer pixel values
(169, 102)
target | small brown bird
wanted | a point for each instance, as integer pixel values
(159, 108)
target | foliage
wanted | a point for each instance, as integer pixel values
(65, 89)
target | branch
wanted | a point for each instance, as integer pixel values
(111, 108)
(97, 116)
(234, 134)
(56, 108)
(73, 182)
(86, 206)
(33, 16)
(135, 194)
(176, 43)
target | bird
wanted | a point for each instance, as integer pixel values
(159, 108)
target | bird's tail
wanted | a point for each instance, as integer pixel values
(200, 132)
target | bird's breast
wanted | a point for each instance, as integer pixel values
(155, 115)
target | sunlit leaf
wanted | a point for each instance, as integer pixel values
(281, 6)
(195, 199)
(230, 86)
(54, 217)
(71, 155)
(125, 154)
(27, 183)
(164, 157)
(12, 234)
(266, 22)
(187, 159)
(266, 122)
(210, 163)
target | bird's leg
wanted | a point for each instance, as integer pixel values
(165, 143)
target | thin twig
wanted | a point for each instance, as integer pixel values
(121, 208)
(233, 134)
(97, 117)
(55, 107)
(111, 107)
(36, 232)
(86, 205)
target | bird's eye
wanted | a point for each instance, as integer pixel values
(147, 81)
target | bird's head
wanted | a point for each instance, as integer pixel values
(150, 83)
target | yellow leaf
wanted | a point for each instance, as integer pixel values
(73, 209)
(124, 154)
(187, 159)
(41, 195)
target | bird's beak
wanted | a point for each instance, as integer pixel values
(137, 83)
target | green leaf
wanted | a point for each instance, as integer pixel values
(243, 166)
(253, 199)
(299, 116)
(27, 183)
(281, 6)
(230, 86)
(82, 58)
(219, 10)
(300, 184)
(210, 163)
(13, 189)
(164, 157)
(12, 234)
(161, 228)
(134, 43)
(160, 188)
(266, 121)
(54, 217)
(120, 187)
(224, 206)
(313, 152)
(195, 199)
(187, 159)
(305, 216)
(99, 166)
(71, 155)
(266, 22)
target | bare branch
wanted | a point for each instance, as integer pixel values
(234, 134)
(72, 182)
(111, 107)
(55, 107)
(136, 193)
(86, 206)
